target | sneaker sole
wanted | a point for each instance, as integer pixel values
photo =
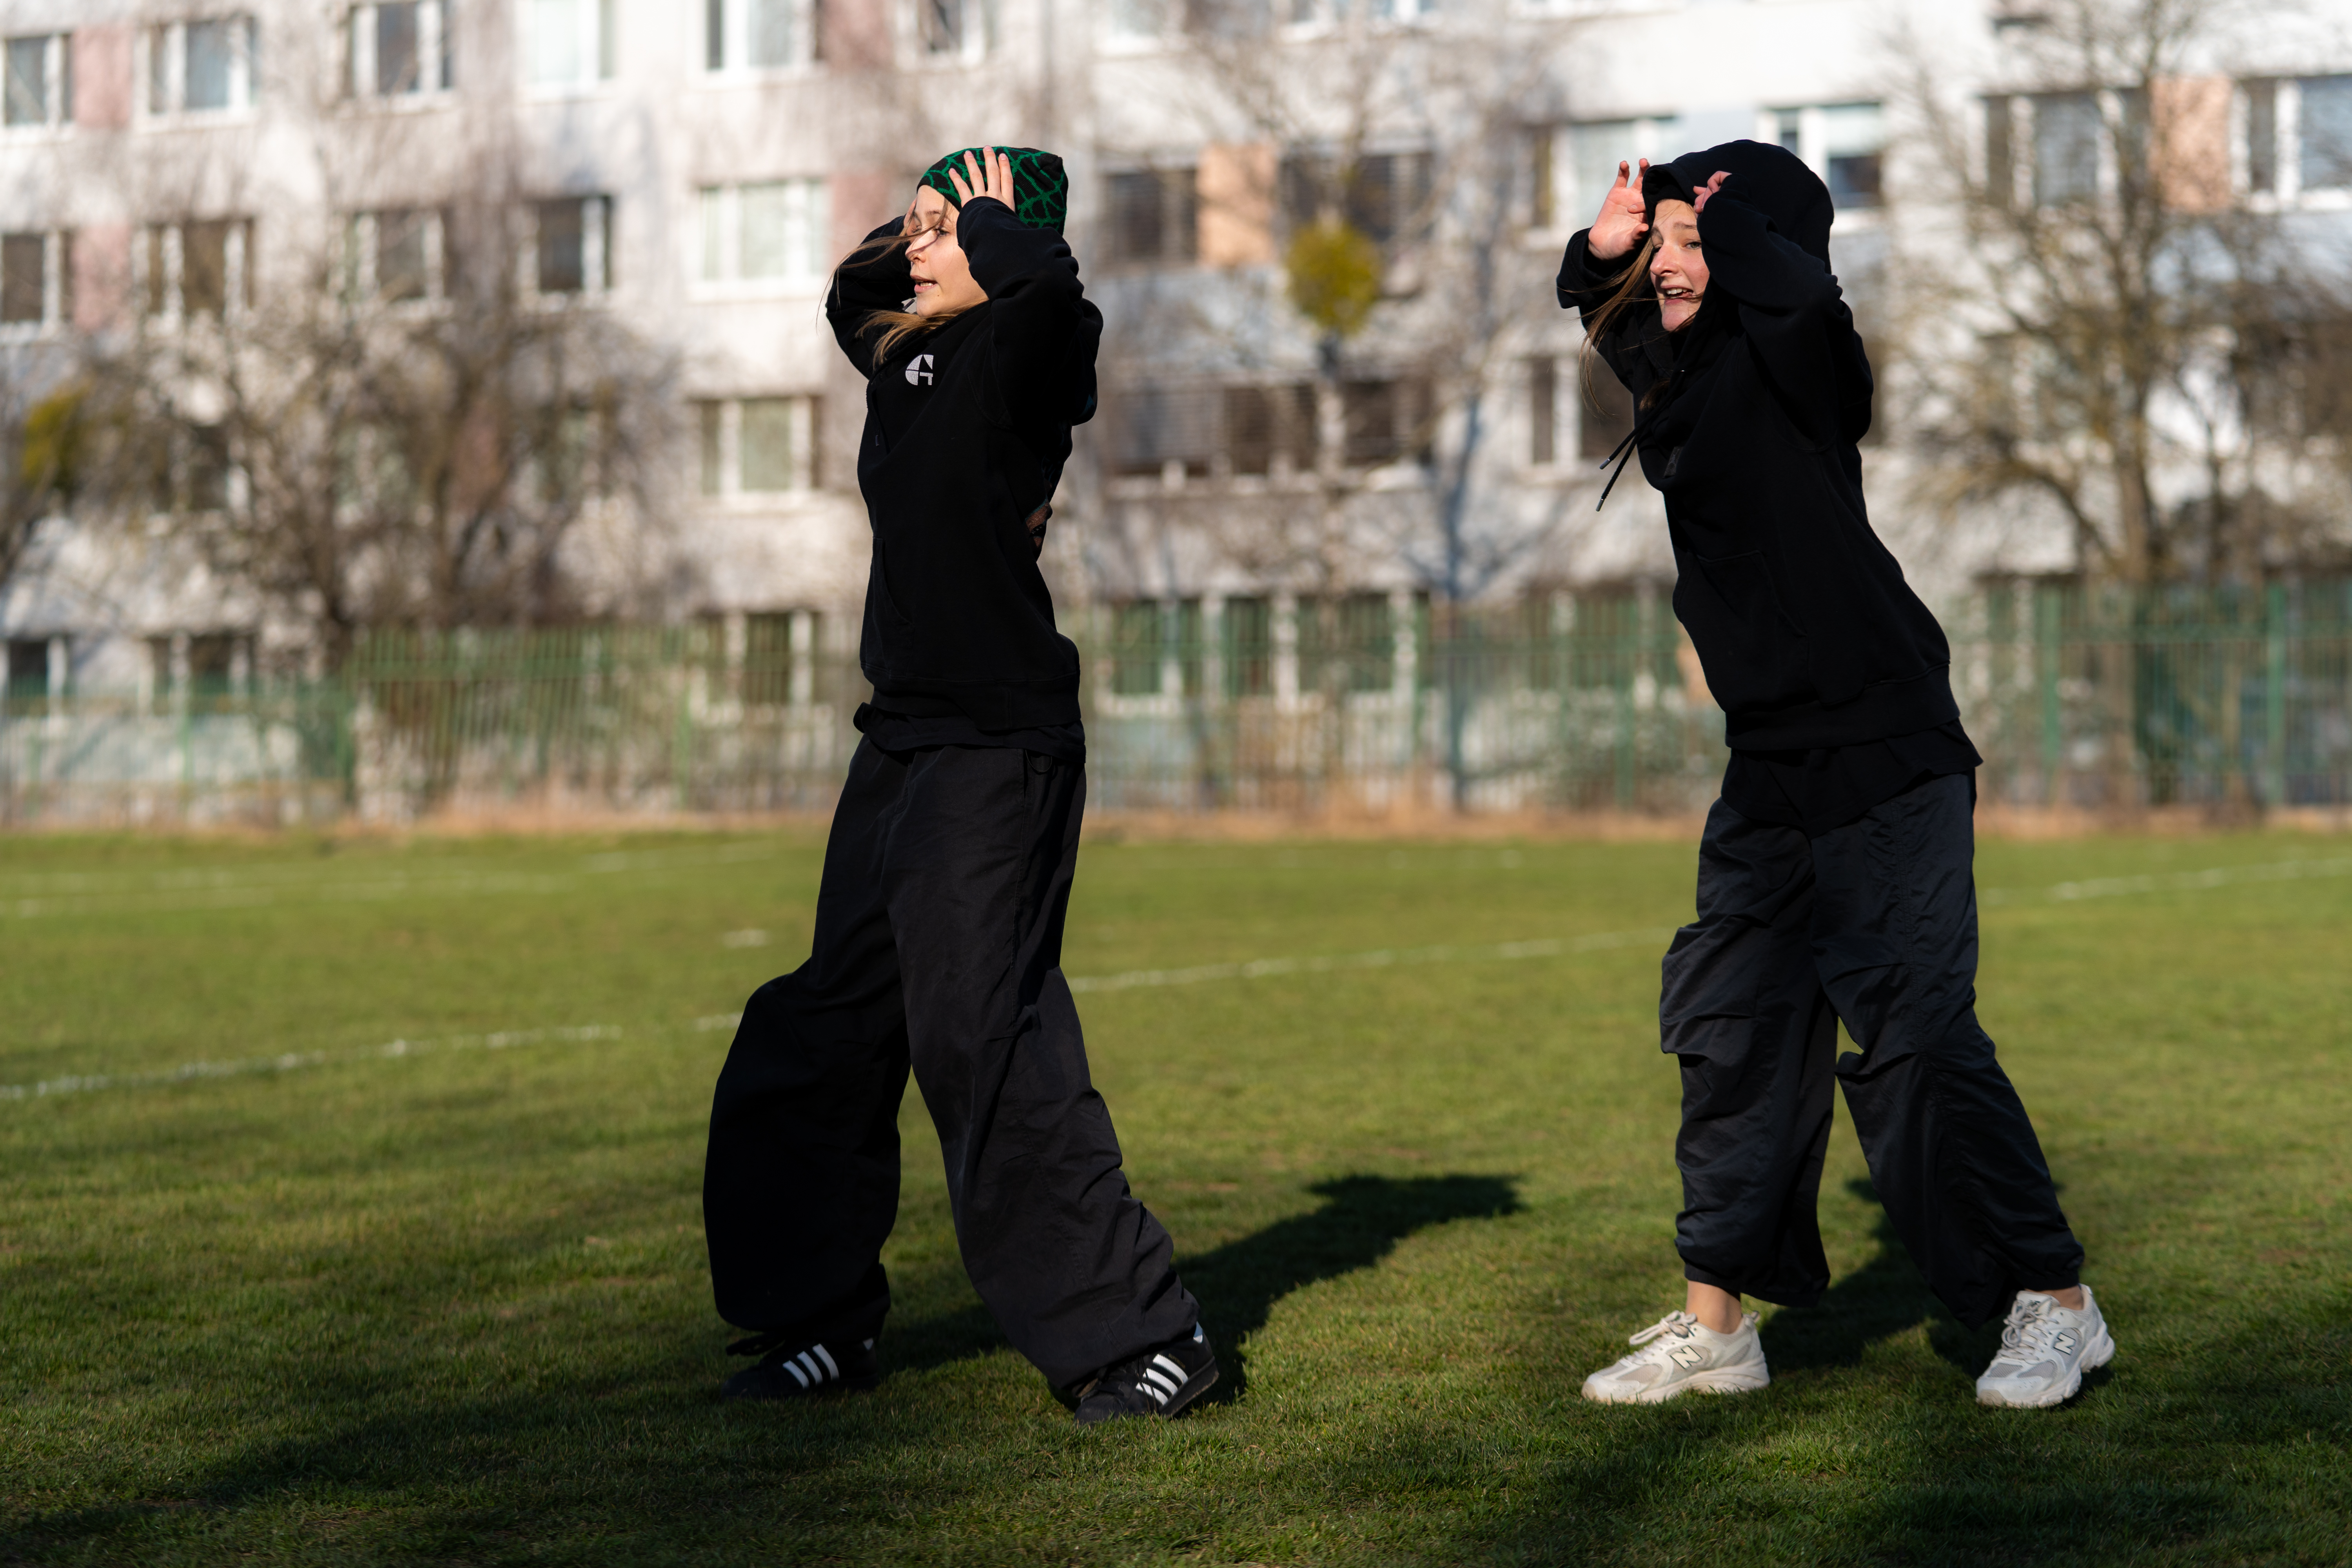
(2098, 1356)
(1188, 1393)
(1726, 1381)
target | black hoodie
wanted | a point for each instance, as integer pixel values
(967, 429)
(1807, 631)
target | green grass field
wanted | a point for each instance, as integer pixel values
(410, 1268)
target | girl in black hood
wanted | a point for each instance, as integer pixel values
(938, 921)
(1835, 879)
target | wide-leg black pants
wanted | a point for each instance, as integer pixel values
(1874, 923)
(938, 938)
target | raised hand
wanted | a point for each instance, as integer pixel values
(992, 175)
(1713, 184)
(1624, 219)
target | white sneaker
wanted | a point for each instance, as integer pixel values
(1683, 1354)
(2045, 1349)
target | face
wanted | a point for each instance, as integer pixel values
(1677, 269)
(943, 281)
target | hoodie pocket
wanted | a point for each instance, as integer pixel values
(1754, 655)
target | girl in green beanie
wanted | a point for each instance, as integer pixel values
(938, 922)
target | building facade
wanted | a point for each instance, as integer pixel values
(1259, 483)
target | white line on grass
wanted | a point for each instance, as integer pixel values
(2174, 881)
(501, 1040)
(1379, 958)
(1254, 969)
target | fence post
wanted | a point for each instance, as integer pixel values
(2274, 697)
(2045, 654)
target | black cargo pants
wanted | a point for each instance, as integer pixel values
(1874, 923)
(938, 938)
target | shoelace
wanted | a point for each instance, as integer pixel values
(1678, 1324)
(2030, 1334)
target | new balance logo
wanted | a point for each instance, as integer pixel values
(2064, 1344)
(1688, 1356)
(918, 371)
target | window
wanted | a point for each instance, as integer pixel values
(1138, 632)
(30, 669)
(202, 66)
(1349, 643)
(2261, 136)
(775, 231)
(756, 445)
(572, 253)
(40, 91)
(948, 30)
(399, 48)
(397, 256)
(36, 280)
(570, 42)
(1845, 143)
(2066, 131)
(1386, 195)
(1543, 183)
(2324, 160)
(1543, 411)
(758, 34)
(780, 663)
(1160, 430)
(1384, 421)
(198, 268)
(1154, 216)
(1138, 19)
(1249, 647)
(1270, 428)
(1587, 156)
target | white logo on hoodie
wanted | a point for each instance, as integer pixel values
(918, 371)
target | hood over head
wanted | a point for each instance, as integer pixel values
(1772, 179)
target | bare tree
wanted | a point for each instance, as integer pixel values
(421, 413)
(1407, 272)
(2102, 317)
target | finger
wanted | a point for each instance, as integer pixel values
(979, 174)
(1004, 175)
(1624, 173)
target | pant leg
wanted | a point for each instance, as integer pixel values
(1077, 1273)
(1954, 1160)
(800, 1188)
(1742, 1009)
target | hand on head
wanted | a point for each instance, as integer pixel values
(995, 181)
(1713, 184)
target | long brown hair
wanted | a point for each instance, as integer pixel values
(897, 326)
(1631, 286)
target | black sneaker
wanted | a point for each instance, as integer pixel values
(789, 1369)
(1157, 1383)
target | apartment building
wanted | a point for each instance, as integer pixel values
(696, 167)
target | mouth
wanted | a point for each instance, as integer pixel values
(1684, 295)
(924, 285)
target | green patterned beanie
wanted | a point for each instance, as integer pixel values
(1041, 189)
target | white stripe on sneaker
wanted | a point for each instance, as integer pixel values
(794, 1368)
(1153, 1374)
(1162, 1360)
(815, 1375)
(825, 1356)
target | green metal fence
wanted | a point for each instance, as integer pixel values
(2091, 698)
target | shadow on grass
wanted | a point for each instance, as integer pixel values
(1884, 1297)
(467, 1472)
(1238, 1283)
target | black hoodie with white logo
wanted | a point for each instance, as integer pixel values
(967, 429)
(1802, 619)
